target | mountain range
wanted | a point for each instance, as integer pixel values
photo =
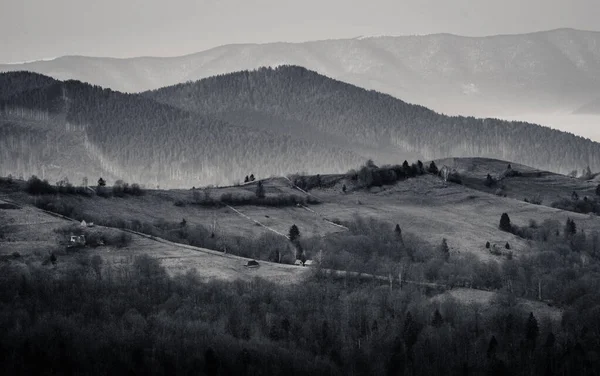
(549, 72)
(267, 121)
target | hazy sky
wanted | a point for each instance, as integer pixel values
(34, 29)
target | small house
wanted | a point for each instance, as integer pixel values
(252, 264)
(309, 263)
(77, 240)
(83, 223)
(298, 263)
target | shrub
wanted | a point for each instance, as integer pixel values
(36, 186)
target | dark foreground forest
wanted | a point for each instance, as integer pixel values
(99, 319)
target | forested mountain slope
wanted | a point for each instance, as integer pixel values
(543, 72)
(362, 118)
(12, 83)
(131, 137)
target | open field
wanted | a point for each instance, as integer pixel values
(466, 215)
(33, 234)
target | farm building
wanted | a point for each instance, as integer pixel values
(77, 240)
(252, 264)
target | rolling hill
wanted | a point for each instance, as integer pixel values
(268, 121)
(75, 130)
(504, 75)
(295, 100)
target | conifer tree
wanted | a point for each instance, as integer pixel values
(505, 223)
(294, 233)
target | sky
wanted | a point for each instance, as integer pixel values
(38, 29)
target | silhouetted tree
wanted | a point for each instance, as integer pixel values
(410, 331)
(252, 178)
(344, 188)
(294, 233)
(53, 258)
(505, 223)
(444, 249)
(101, 182)
(570, 227)
(246, 179)
(487, 245)
(398, 231)
(437, 320)
(433, 169)
(532, 330)
(507, 246)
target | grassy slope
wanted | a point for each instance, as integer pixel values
(547, 185)
(30, 232)
(466, 217)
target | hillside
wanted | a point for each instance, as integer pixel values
(311, 105)
(466, 215)
(70, 129)
(505, 75)
(167, 266)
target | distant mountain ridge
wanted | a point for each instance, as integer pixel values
(362, 117)
(557, 70)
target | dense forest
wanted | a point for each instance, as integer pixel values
(12, 83)
(375, 119)
(271, 121)
(98, 318)
(151, 143)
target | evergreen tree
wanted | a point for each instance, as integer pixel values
(246, 179)
(410, 332)
(344, 188)
(252, 178)
(406, 168)
(433, 169)
(487, 245)
(53, 258)
(101, 182)
(294, 233)
(507, 246)
(420, 167)
(532, 330)
(260, 190)
(505, 223)
(570, 227)
(493, 345)
(444, 249)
